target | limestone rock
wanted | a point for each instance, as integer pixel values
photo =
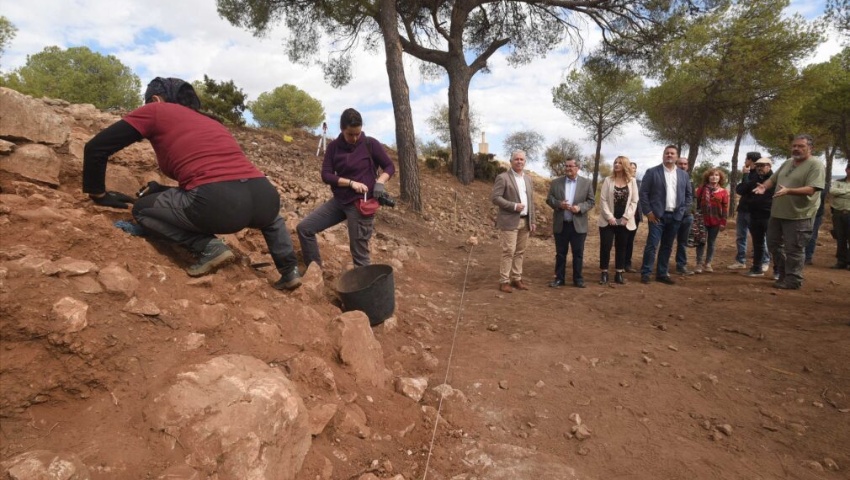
(358, 349)
(312, 283)
(117, 280)
(181, 472)
(6, 147)
(71, 314)
(33, 162)
(45, 465)
(236, 416)
(320, 416)
(412, 388)
(141, 307)
(30, 119)
(71, 266)
(313, 371)
(41, 214)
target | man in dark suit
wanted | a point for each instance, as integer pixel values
(665, 199)
(571, 197)
(513, 193)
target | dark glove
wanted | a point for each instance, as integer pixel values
(379, 189)
(151, 187)
(114, 200)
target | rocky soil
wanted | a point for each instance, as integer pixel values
(115, 364)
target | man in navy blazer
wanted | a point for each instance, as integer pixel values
(665, 199)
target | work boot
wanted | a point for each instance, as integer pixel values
(290, 281)
(215, 254)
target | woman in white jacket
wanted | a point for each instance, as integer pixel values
(618, 200)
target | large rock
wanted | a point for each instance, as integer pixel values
(33, 162)
(44, 465)
(236, 417)
(117, 280)
(357, 348)
(25, 118)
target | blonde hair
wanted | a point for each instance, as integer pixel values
(627, 170)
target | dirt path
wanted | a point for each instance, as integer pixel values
(658, 373)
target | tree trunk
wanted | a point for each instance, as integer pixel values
(461, 138)
(400, 94)
(733, 177)
(596, 159)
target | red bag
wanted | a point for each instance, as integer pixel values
(367, 208)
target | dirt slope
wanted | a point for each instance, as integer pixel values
(719, 376)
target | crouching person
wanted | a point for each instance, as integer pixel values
(220, 191)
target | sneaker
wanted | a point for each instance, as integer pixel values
(765, 267)
(737, 266)
(290, 281)
(644, 279)
(215, 254)
(755, 273)
(707, 267)
(776, 276)
(698, 269)
(684, 271)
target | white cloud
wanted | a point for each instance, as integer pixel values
(188, 39)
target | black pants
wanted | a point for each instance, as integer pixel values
(192, 218)
(758, 230)
(618, 236)
(563, 241)
(841, 224)
(630, 245)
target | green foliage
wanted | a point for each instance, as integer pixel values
(7, 33)
(558, 153)
(436, 155)
(287, 106)
(528, 141)
(78, 75)
(486, 168)
(704, 166)
(222, 99)
(587, 165)
(438, 122)
(838, 12)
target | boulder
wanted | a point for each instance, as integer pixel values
(44, 465)
(29, 119)
(33, 162)
(357, 348)
(236, 417)
(117, 280)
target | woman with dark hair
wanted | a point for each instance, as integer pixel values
(350, 168)
(713, 206)
(220, 190)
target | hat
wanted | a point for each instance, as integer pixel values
(764, 161)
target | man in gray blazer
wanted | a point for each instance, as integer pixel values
(513, 193)
(571, 197)
(665, 199)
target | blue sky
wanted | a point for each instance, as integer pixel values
(187, 39)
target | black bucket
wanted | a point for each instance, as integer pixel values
(370, 289)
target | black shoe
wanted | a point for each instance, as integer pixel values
(665, 280)
(618, 278)
(215, 254)
(603, 278)
(786, 286)
(579, 284)
(644, 279)
(556, 283)
(290, 281)
(839, 266)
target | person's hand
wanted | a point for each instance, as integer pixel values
(359, 187)
(518, 207)
(612, 222)
(379, 188)
(722, 227)
(150, 188)
(564, 205)
(651, 218)
(575, 208)
(532, 227)
(781, 191)
(745, 169)
(759, 190)
(113, 200)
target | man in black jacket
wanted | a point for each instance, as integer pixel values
(742, 220)
(758, 210)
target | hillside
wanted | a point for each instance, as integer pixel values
(115, 364)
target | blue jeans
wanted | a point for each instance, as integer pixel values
(682, 242)
(663, 232)
(810, 248)
(742, 225)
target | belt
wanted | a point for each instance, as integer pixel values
(523, 216)
(841, 212)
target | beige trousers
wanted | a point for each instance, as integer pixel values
(513, 248)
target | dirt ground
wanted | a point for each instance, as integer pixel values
(717, 377)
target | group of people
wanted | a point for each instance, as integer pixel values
(778, 209)
(220, 191)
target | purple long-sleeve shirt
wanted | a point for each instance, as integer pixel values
(353, 162)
